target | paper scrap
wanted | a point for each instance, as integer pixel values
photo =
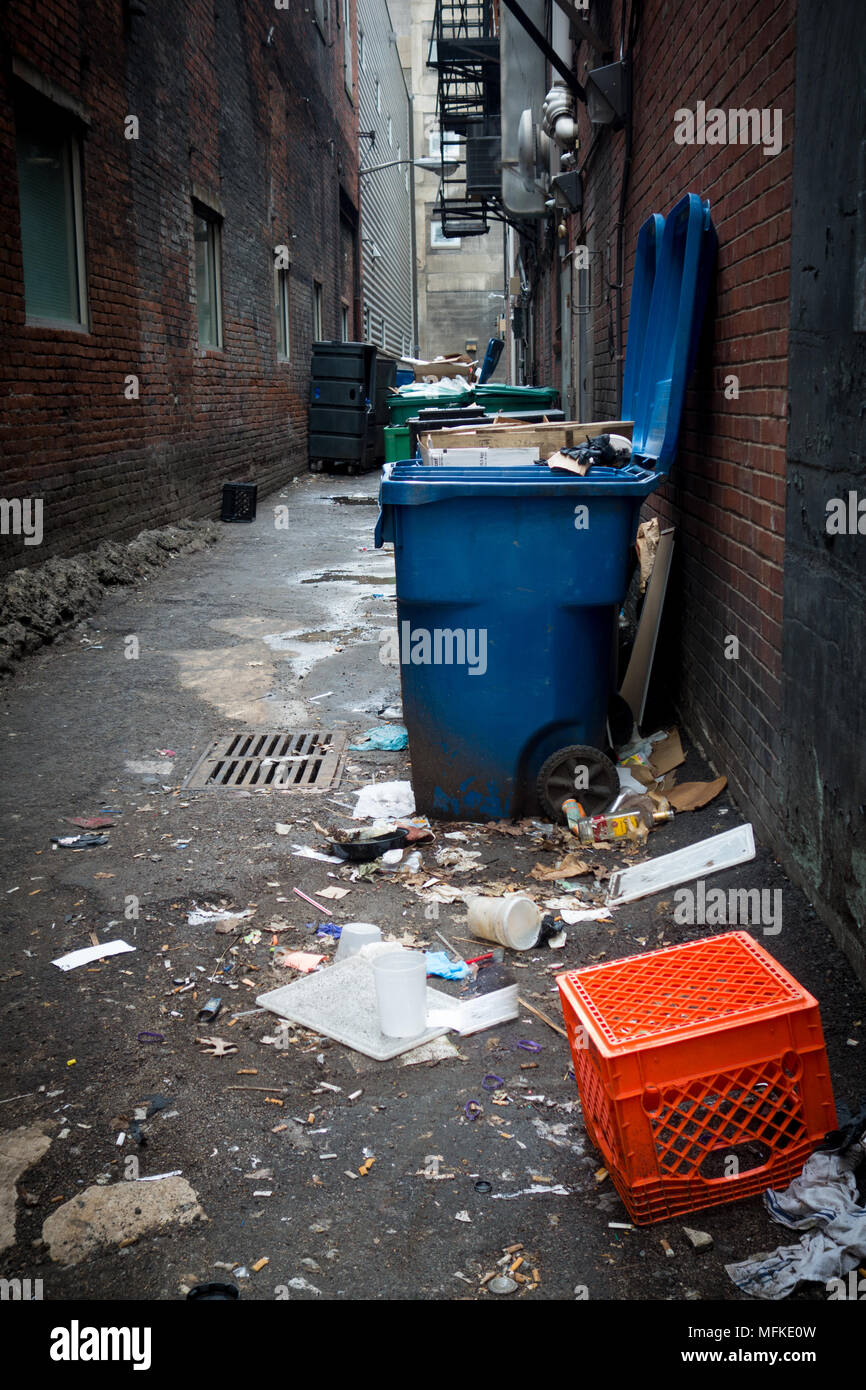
(86, 954)
(691, 796)
(667, 754)
(570, 867)
(302, 960)
(333, 892)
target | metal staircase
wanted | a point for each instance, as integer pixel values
(464, 50)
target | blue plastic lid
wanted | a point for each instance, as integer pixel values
(646, 258)
(684, 266)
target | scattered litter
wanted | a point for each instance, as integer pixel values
(311, 901)
(79, 841)
(709, 856)
(304, 852)
(572, 915)
(282, 829)
(691, 796)
(209, 1011)
(329, 929)
(90, 822)
(462, 1216)
(460, 861)
(260, 1264)
(217, 1047)
(502, 1284)
(202, 916)
(333, 893)
(303, 1285)
(301, 960)
(86, 954)
(439, 964)
(384, 801)
(570, 867)
(698, 1240)
(821, 1202)
(386, 738)
(556, 1190)
(668, 1248)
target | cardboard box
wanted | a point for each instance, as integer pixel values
(565, 434)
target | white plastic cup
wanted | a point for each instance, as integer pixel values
(401, 992)
(353, 936)
(513, 921)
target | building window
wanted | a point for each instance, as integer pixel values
(384, 332)
(440, 241)
(52, 223)
(443, 142)
(361, 63)
(344, 322)
(318, 312)
(320, 12)
(347, 44)
(208, 276)
(281, 314)
(390, 133)
(366, 323)
(378, 97)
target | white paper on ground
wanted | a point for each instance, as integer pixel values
(86, 954)
(304, 852)
(585, 914)
(723, 851)
(199, 916)
(390, 799)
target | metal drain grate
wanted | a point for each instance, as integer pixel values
(306, 761)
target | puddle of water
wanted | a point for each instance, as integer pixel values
(342, 577)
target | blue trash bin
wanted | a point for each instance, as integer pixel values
(510, 579)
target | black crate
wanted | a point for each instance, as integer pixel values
(347, 394)
(239, 502)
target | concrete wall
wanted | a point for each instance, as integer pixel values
(246, 107)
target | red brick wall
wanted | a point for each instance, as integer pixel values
(267, 128)
(727, 496)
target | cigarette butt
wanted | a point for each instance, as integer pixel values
(232, 1023)
(600, 1174)
(536, 1276)
(130, 1240)
(667, 1247)
(311, 1119)
(519, 1278)
(272, 1100)
(248, 1071)
(517, 1263)
(486, 1278)
(510, 1249)
(260, 1264)
(528, 1066)
(278, 1129)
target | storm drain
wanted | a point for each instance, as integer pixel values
(306, 761)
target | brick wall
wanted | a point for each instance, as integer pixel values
(245, 105)
(727, 497)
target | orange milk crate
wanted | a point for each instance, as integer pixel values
(693, 1055)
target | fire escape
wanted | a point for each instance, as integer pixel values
(464, 50)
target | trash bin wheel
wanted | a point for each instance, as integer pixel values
(317, 465)
(585, 773)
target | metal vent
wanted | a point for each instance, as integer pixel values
(306, 761)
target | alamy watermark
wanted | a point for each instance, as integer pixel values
(744, 907)
(439, 646)
(739, 126)
(22, 516)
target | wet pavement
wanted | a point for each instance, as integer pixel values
(280, 625)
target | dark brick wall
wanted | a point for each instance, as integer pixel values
(245, 103)
(727, 497)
